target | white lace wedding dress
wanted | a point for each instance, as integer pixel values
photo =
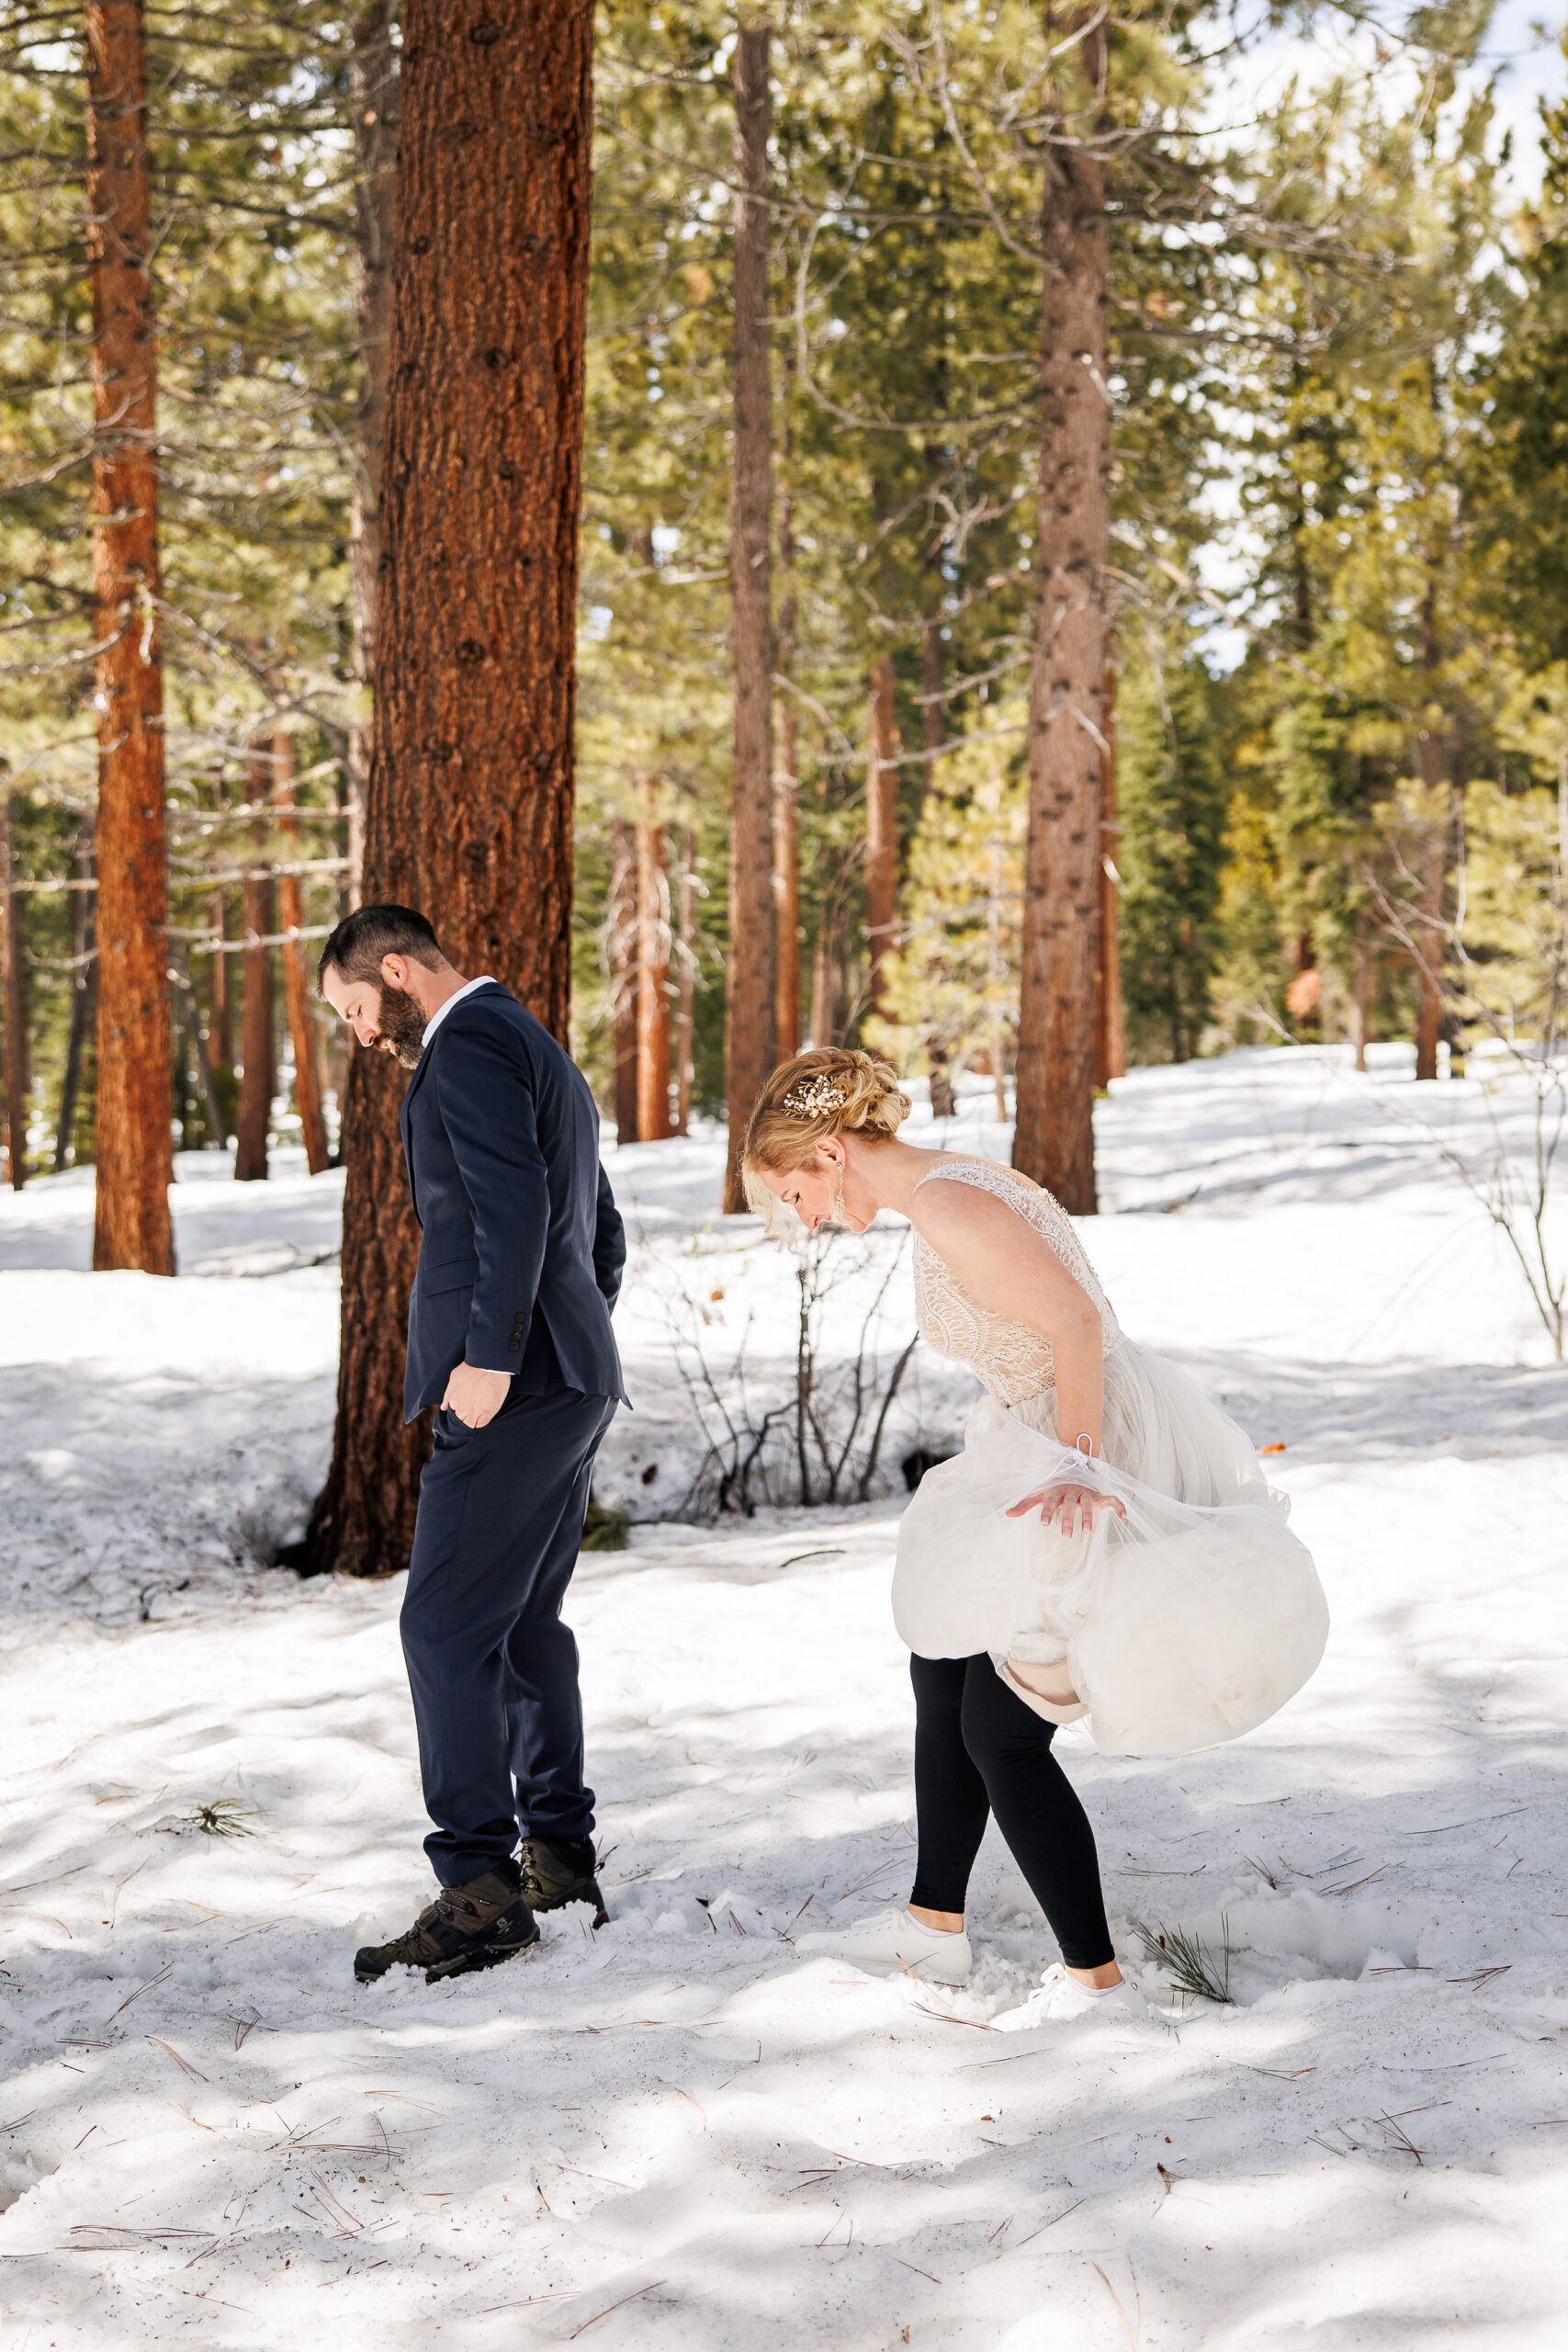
(1188, 1622)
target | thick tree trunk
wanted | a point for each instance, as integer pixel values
(470, 806)
(134, 1152)
(299, 991)
(623, 947)
(881, 832)
(1109, 1023)
(256, 1049)
(748, 1044)
(686, 945)
(17, 1063)
(652, 972)
(1054, 1138)
(373, 110)
(84, 1001)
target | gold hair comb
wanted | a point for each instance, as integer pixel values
(821, 1094)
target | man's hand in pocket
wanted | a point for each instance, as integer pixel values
(476, 1397)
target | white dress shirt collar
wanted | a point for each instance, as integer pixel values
(439, 1015)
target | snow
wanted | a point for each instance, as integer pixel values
(677, 2123)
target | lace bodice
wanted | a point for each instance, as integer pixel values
(1013, 1360)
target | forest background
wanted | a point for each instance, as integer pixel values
(1323, 364)
(1334, 344)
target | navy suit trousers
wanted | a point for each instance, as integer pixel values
(492, 1670)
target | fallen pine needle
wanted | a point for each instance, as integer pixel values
(696, 2102)
(140, 1990)
(632, 2297)
(1050, 2224)
(1120, 2306)
(184, 2063)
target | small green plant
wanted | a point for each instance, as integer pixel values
(1188, 1962)
(224, 1817)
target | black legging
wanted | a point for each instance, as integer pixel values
(979, 1750)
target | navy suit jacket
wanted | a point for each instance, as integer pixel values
(518, 1225)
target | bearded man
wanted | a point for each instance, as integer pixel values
(519, 1258)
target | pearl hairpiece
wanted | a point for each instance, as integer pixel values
(821, 1094)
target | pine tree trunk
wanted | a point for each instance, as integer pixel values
(652, 973)
(373, 110)
(686, 939)
(222, 987)
(748, 1043)
(84, 1001)
(299, 993)
(881, 832)
(17, 1065)
(469, 812)
(787, 825)
(131, 1227)
(1054, 1138)
(1110, 1023)
(624, 974)
(1360, 993)
(254, 1112)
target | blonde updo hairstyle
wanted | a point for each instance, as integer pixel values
(827, 1090)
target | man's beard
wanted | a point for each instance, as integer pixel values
(402, 1022)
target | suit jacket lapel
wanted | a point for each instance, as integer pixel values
(405, 1125)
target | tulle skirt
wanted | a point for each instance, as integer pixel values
(1188, 1622)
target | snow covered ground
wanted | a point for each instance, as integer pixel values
(675, 2133)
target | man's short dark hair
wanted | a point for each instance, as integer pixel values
(358, 945)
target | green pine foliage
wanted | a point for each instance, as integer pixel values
(1172, 806)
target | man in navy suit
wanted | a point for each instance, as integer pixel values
(519, 1258)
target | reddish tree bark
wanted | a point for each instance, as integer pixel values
(787, 825)
(881, 832)
(258, 1074)
(84, 1000)
(469, 811)
(373, 110)
(1054, 1138)
(652, 973)
(623, 945)
(131, 1226)
(1110, 1023)
(685, 940)
(748, 1004)
(298, 990)
(18, 1071)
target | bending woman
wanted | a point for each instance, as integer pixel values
(1104, 1546)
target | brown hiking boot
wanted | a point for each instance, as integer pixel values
(475, 1926)
(558, 1873)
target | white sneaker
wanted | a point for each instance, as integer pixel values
(893, 1942)
(1060, 1998)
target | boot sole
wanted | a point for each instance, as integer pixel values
(464, 1963)
(480, 1953)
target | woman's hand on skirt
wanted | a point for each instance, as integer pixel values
(1077, 1506)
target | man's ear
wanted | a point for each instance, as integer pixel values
(395, 968)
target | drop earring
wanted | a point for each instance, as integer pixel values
(838, 1213)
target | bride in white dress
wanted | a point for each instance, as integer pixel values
(1105, 1547)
